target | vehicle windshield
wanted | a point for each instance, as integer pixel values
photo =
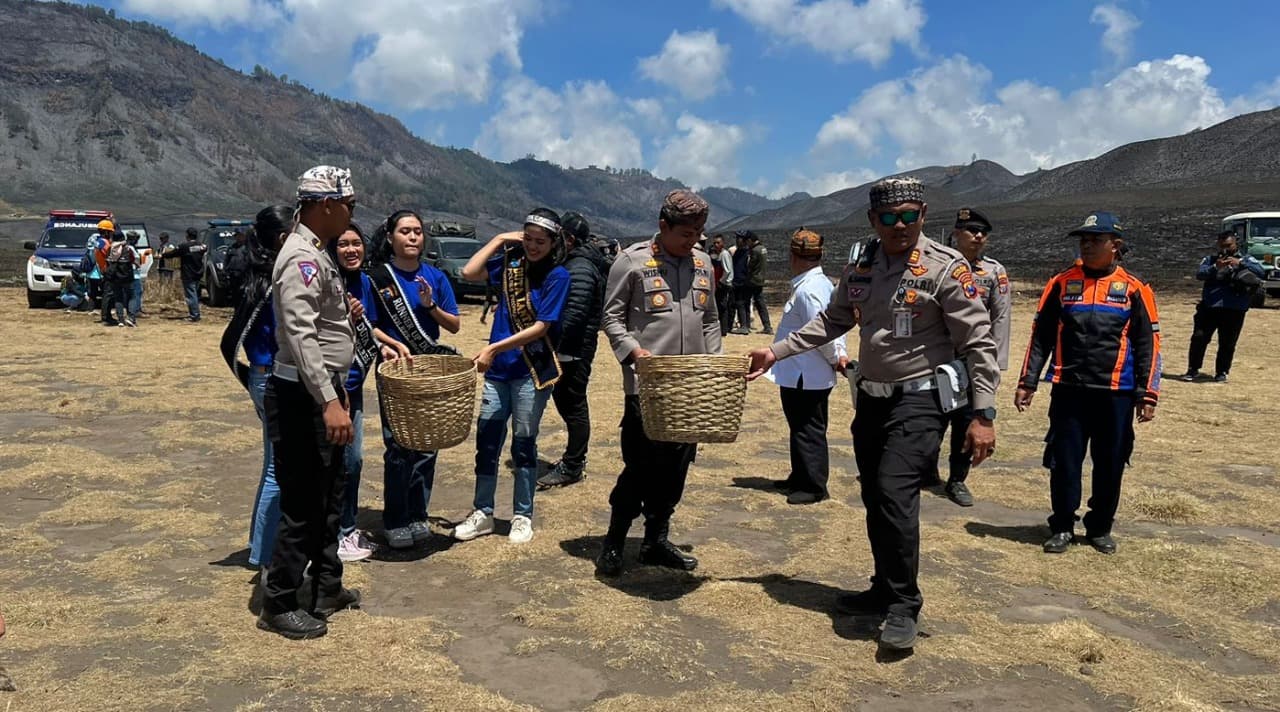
(459, 250)
(1264, 228)
(67, 238)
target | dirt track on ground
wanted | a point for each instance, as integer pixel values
(129, 460)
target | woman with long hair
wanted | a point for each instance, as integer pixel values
(252, 328)
(414, 302)
(349, 252)
(519, 364)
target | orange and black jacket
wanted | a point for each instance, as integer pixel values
(1096, 331)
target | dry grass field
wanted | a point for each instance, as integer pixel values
(129, 460)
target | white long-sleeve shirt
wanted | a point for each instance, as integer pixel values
(810, 295)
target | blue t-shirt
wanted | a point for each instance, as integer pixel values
(441, 293)
(360, 286)
(548, 302)
(260, 345)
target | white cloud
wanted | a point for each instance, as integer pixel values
(842, 29)
(692, 63)
(1117, 37)
(820, 184)
(702, 153)
(942, 115)
(212, 12)
(583, 124)
(405, 53)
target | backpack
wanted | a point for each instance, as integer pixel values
(120, 263)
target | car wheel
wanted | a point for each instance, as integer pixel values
(1257, 299)
(35, 300)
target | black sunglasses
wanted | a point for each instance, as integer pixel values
(908, 217)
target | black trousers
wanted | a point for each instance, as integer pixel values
(570, 396)
(725, 306)
(106, 298)
(806, 413)
(1228, 323)
(310, 473)
(895, 443)
(959, 460)
(95, 291)
(653, 473)
(1101, 421)
(746, 295)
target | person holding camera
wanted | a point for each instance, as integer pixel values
(1231, 278)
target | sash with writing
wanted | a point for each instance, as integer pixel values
(539, 355)
(401, 314)
(366, 352)
(245, 320)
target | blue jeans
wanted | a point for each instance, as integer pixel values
(407, 478)
(353, 463)
(266, 506)
(135, 302)
(523, 404)
(191, 290)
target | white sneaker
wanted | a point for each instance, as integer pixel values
(349, 549)
(476, 524)
(521, 529)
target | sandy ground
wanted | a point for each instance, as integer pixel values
(129, 460)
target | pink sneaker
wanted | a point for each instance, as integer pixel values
(349, 549)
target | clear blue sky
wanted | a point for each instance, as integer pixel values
(768, 95)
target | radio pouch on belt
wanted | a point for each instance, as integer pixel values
(953, 385)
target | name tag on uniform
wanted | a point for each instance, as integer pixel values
(901, 323)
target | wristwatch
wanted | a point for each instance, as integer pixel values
(430, 307)
(987, 413)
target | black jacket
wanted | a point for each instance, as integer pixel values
(191, 255)
(583, 307)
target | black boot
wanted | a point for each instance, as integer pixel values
(295, 625)
(609, 563)
(657, 550)
(326, 606)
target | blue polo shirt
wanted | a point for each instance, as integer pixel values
(441, 293)
(360, 286)
(548, 302)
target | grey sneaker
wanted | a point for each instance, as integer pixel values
(420, 531)
(959, 493)
(400, 538)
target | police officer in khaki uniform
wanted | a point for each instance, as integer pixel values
(660, 300)
(970, 237)
(306, 409)
(917, 305)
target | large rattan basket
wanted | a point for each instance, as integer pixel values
(429, 404)
(692, 399)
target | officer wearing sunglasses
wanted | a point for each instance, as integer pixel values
(970, 237)
(923, 333)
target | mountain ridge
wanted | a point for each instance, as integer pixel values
(96, 110)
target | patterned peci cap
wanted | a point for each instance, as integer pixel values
(892, 191)
(683, 204)
(806, 244)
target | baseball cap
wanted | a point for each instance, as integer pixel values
(1100, 222)
(966, 217)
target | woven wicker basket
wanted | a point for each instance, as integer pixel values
(692, 399)
(430, 404)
